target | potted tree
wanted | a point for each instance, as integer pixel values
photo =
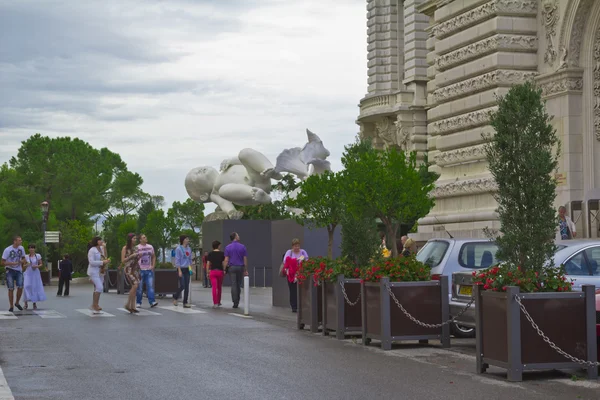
(395, 288)
(515, 299)
(310, 298)
(341, 298)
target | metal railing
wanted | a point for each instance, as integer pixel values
(264, 269)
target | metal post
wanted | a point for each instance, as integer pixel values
(445, 311)
(481, 366)
(386, 326)
(513, 316)
(314, 306)
(590, 327)
(246, 295)
(363, 314)
(341, 309)
(254, 276)
(325, 331)
(264, 277)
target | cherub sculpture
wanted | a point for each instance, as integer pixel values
(246, 179)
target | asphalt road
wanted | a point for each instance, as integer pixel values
(215, 355)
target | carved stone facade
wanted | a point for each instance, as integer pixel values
(453, 59)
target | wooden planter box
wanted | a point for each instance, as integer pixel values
(310, 305)
(111, 280)
(383, 320)
(123, 286)
(338, 315)
(505, 338)
(45, 277)
(166, 281)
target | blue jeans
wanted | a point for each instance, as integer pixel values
(13, 276)
(184, 285)
(146, 278)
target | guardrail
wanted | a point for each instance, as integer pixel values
(264, 276)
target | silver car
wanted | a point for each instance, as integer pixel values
(447, 256)
(580, 258)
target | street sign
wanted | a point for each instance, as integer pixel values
(52, 237)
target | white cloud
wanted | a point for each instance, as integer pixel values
(178, 84)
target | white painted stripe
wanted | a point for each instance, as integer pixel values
(5, 392)
(91, 313)
(239, 315)
(49, 314)
(7, 315)
(141, 312)
(182, 310)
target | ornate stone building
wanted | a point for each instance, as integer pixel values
(435, 69)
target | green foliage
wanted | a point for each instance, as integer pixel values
(145, 209)
(165, 265)
(188, 215)
(522, 156)
(160, 230)
(125, 194)
(320, 198)
(387, 185)
(360, 239)
(75, 236)
(273, 211)
(399, 269)
(498, 278)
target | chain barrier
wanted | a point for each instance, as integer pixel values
(550, 343)
(423, 324)
(346, 295)
(111, 284)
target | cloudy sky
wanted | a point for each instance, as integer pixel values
(172, 85)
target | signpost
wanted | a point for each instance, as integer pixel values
(52, 237)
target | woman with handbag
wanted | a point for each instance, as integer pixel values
(292, 260)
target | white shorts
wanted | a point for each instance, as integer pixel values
(94, 274)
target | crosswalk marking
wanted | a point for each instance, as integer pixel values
(239, 315)
(141, 312)
(49, 314)
(182, 310)
(7, 315)
(5, 392)
(91, 313)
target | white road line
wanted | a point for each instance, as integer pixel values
(49, 314)
(239, 315)
(7, 315)
(141, 312)
(5, 392)
(90, 313)
(182, 310)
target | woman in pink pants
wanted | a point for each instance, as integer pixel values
(214, 264)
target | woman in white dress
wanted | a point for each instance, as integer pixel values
(97, 262)
(33, 288)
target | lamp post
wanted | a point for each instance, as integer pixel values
(45, 206)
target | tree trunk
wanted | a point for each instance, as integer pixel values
(392, 229)
(330, 231)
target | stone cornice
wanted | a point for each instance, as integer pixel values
(461, 122)
(467, 154)
(560, 82)
(465, 187)
(501, 77)
(485, 46)
(486, 11)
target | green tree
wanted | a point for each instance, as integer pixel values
(360, 239)
(160, 230)
(320, 199)
(145, 209)
(75, 236)
(188, 215)
(386, 185)
(522, 155)
(125, 194)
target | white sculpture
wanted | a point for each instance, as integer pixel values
(246, 179)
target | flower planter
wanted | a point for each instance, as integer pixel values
(505, 338)
(166, 281)
(111, 280)
(123, 286)
(338, 315)
(45, 277)
(383, 320)
(310, 305)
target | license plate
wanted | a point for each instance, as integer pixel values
(466, 290)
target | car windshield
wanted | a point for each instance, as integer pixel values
(477, 255)
(433, 253)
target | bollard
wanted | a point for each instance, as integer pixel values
(246, 295)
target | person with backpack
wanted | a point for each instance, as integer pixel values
(183, 261)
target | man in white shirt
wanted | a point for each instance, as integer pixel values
(13, 258)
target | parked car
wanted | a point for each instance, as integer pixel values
(579, 257)
(447, 256)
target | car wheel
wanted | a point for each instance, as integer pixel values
(463, 332)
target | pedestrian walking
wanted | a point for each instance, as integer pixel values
(236, 262)
(214, 261)
(13, 259)
(183, 261)
(129, 263)
(97, 262)
(292, 260)
(32, 279)
(566, 228)
(65, 271)
(147, 263)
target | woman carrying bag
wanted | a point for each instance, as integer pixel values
(292, 260)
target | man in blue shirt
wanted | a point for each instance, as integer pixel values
(236, 260)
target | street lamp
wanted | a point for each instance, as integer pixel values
(44, 207)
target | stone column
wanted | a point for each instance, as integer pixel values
(384, 52)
